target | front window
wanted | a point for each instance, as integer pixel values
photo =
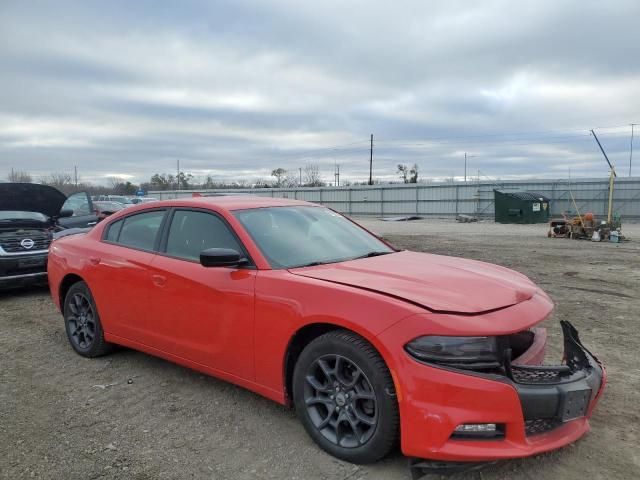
(300, 236)
(191, 232)
(78, 203)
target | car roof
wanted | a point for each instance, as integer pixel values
(233, 202)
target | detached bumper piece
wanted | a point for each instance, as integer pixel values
(553, 395)
(418, 468)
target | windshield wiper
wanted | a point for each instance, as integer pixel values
(312, 264)
(366, 255)
(371, 254)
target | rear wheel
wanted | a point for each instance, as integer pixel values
(82, 322)
(345, 397)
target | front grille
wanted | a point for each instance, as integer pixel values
(537, 375)
(11, 241)
(540, 425)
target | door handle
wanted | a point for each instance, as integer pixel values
(94, 260)
(159, 280)
(91, 224)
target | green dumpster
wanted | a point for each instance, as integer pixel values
(521, 207)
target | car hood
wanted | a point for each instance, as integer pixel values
(438, 283)
(31, 197)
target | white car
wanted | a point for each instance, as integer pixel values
(137, 200)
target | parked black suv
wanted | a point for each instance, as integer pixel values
(29, 215)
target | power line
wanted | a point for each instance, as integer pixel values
(480, 141)
(631, 148)
(335, 147)
(511, 134)
(371, 162)
(486, 144)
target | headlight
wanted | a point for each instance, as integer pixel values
(478, 353)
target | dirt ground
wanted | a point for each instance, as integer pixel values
(129, 415)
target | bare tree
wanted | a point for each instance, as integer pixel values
(115, 182)
(208, 182)
(60, 180)
(185, 179)
(19, 176)
(403, 170)
(312, 176)
(413, 174)
(280, 174)
(290, 181)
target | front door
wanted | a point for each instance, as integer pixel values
(83, 214)
(202, 314)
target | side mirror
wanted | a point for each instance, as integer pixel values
(65, 213)
(221, 257)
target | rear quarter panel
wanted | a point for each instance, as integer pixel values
(66, 256)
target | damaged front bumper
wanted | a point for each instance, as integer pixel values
(553, 395)
(534, 408)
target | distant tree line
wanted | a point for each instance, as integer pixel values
(307, 176)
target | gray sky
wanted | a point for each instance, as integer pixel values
(235, 89)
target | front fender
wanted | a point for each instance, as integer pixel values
(285, 303)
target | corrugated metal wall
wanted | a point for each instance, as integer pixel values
(450, 199)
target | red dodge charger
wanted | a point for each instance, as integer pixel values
(371, 345)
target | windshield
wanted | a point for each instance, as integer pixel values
(17, 215)
(301, 236)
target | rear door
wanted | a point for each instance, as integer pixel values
(122, 281)
(83, 214)
(202, 314)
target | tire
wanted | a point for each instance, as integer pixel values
(345, 397)
(82, 322)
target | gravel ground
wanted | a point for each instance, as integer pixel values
(129, 415)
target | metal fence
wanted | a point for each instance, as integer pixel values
(450, 199)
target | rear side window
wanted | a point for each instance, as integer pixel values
(192, 232)
(113, 231)
(137, 231)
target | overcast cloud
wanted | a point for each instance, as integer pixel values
(235, 89)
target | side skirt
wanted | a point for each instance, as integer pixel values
(269, 393)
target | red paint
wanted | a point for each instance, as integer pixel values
(237, 324)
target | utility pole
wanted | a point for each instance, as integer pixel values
(465, 166)
(75, 175)
(336, 175)
(631, 148)
(371, 162)
(300, 182)
(178, 176)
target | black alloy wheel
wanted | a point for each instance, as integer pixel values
(345, 397)
(340, 401)
(82, 322)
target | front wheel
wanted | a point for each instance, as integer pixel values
(345, 397)
(82, 322)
